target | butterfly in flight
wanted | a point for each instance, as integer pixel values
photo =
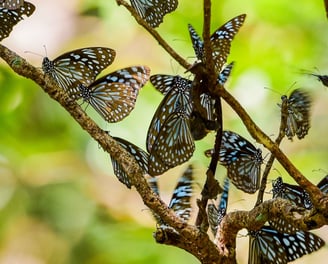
(298, 114)
(153, 11)
(80, 66)
(220, 41)
(180, 201)
(139, 155)
(176, 91)
(267, 245)
(216, 214)
(11, 4)
(10, 17)
(295, 194)
(322, 78)
(114, 95)
(242, 160)
(173, 145)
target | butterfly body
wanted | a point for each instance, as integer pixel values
(76, 67)
(298, 114)
(114, 95)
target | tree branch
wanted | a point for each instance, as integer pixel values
(155, 35)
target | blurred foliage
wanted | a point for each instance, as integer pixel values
(59, 199)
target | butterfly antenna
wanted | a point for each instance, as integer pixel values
(34, 53)
(45, 50)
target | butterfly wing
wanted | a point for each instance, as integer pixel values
(197, 42)
(153, 11)
(135, 77)
(140, 156)
(323, 185)
(9, 18)
(221, 40)
(265, 247)
(11, 4)
(177, 94)
(216, 214)
(180, 201)
(115, 100)
(242, 160)
(174, 144)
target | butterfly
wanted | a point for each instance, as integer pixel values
(173, 145)
(140, 156)
(176, 92)
(9, 18)
(11, 4)
(220, 41)
(79, 66)
(295, 194)
(242, 160)
(216, 214)
(267, 245)
(153, 11)
(114, 95)
(180, 201)
(322, 78)
(298, 114)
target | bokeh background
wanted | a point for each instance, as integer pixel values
(59, 199)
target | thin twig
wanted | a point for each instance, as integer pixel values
(281, 135)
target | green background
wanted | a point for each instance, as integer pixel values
(59, 199)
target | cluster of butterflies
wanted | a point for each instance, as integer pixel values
(173, 129)
(185, 114)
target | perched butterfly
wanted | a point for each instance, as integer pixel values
(153, 11)
(114, 95)
(200, 124)
(215, 214)
(298, 114)
(173, 145)
(295, 194)
(220, 41)
(140, 156)
(242, 160)
(11, 4)
(267, 245)
(79, 66)
(9, 18)
(176, 92)
(180, 201)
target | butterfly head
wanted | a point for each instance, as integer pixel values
(47, 65)
(85, 92)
